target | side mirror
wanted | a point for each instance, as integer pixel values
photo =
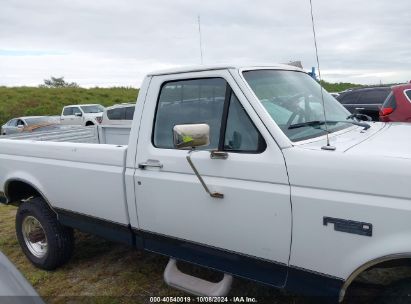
(78, 114)
(191, 135)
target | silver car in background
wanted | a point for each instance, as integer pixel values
(28, 124)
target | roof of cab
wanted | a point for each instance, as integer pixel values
(200, 68)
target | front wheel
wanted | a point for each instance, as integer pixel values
(397, 293)
(44, 241)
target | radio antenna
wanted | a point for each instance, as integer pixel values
(200, 40)
(328, 146)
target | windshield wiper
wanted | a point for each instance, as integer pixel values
(315, 123)
(312, 123)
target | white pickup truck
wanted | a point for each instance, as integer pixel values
(82, 115)
(227, 168)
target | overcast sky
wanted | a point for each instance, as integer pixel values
(116, 42)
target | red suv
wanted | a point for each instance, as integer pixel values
(397, 106)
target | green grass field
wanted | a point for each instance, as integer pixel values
(26, 101)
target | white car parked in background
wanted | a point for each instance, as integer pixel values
(83, 115)
(121, 114)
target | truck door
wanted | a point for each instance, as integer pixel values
(253, 220)
(67, 116)
(77, 117)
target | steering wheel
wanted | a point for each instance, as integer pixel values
(292, 104)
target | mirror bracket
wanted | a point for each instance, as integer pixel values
(212, 194)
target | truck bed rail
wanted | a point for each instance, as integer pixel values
(77, 134)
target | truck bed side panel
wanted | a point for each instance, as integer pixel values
(83, 178)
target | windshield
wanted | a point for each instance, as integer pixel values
(292, 97)
(93, 109)
(42, 120)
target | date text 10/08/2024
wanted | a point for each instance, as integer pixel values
(203, 300)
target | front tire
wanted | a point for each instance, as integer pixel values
(397, 293)
(45, 242)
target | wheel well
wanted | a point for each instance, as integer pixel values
(379, 272)
(20, 190)
(89, 123)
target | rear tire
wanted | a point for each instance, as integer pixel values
(45, 242)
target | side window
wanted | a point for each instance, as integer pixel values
(12, 123)
(349, 98)
(20, 122)
(373, 97)
(390, 102)
(76, 110)
(189, 101)
(408, 94)
(240, 134)
(116, 114)
(130, 112)
(68, 111)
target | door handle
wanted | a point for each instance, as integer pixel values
(152, 163)
(360, 108)
(218, 154)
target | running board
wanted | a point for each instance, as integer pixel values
(193, 285)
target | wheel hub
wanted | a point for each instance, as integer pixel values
(34, 237)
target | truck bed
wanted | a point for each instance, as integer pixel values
(72, 167)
